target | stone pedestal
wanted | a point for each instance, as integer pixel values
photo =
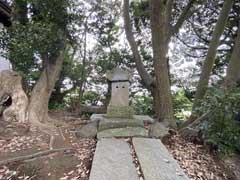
(119, 120)
(121, 127)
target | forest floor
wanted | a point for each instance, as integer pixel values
(75, 163)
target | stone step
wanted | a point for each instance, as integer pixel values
(123, 132)
(111, 123)
(156, 162)
(113, 161)
(100, 117)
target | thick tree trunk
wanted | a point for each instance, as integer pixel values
(159, 86)
(233, 70)
(160, 39)
(210, 58)
(147, 80)
(38, 105)
(15, 109)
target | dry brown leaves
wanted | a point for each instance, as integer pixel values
(195, 160)
(85, 149)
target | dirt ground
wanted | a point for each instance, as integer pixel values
(74, 163)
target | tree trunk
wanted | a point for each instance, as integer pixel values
(160, 40)
(210, 58)
(146, 78)
(162, 32)
(233, 70)
(38, 105)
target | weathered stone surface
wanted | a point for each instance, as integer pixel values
(156, 162)
(118, 74)
(120, 93)
(100, 117)
(119, 102)
(109, 123)
(119, 111)
(88, 131)
(144, 118)
(123, 132)
(158, 130)
(113, 161)
(97, 117)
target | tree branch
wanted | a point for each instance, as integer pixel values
(146, 78)
(186, 13)
(31, 156)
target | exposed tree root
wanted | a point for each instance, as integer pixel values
(31, 156)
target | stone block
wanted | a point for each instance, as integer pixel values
(123, 132)
(120, 112)
(158, 130)
(113, 161)
(88, 130)
(156, 162)
(109, 123)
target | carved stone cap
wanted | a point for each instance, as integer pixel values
(118, 75)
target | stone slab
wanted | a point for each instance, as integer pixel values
(123, 132)
(156, 162)
(113, 161)
(99, 117)
(110, 123)
(144, 118)
(119, 111)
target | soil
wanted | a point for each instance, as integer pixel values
(199, 162)
(75, 164)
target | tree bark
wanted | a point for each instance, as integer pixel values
(146, 78)
(210, 58)
(160, 40)
(38, 105)
(233, 70)
(159, 86)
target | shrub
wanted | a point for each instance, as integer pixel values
(223, 126)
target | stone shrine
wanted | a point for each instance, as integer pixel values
(119, 103)
(120, 121)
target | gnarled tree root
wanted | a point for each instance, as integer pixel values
(31, 156)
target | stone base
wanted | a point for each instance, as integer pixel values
(100, 117)
(123, 132)
(110, 123)
(120, 112)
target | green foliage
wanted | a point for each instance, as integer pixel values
(182, 106)
(223, 127)
(37, 34)
(142, 105)
(91, 97)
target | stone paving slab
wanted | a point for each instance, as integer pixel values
(119, 123)
(113, 161)
(100, 117)
(156, 162)
(123, 132)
